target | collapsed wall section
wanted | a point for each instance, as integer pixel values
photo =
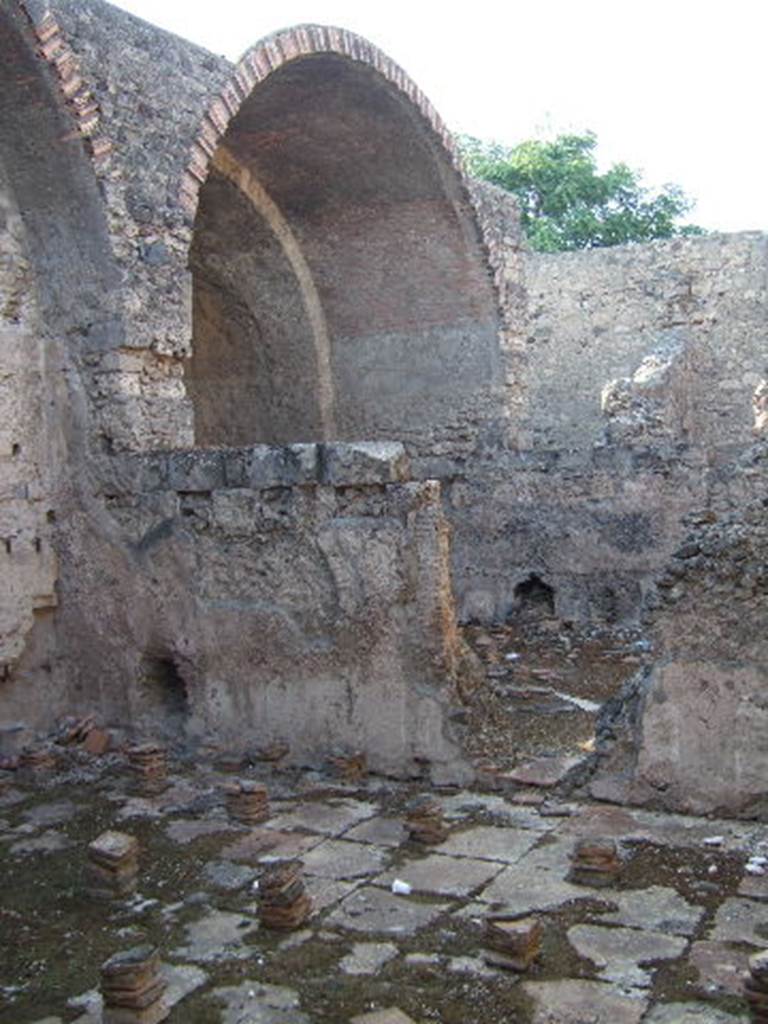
(690, 312)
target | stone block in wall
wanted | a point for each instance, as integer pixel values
(119, 475)
(280, 466)
(611, 458)
(104, 336)
(196, 470)
(152, 471)
(365, 462)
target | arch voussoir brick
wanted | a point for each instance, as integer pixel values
(77, 95)
(274, 52)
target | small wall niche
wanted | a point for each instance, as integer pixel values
(534, 598)
(164, 693)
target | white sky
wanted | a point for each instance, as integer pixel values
(675, 88)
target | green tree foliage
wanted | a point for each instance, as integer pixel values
(566, 203)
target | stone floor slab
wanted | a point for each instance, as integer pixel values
(656, 908)
(186, 830)
(522, 893)
(329, 818)
(367, 957)
(265, 845)
(443, 875)
(691, 1013)
(687, 831)
(620, 953)
(552, 854)
(389, 1016)
(720, 967)
(741, 920)
(252, 1002)
(657, 827)
(226, 875)
(579, 1002)
(216, 937)
(140, 807)
(466, 804)
(49, 842)
(474, 966)
(374, 910)
(380, 831)
(55, 813)
(327, 891)
(182, 979)
(339, 859)
(488, 842)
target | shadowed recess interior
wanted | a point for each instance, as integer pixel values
(534, 597)
(164, 691)
(340, 287)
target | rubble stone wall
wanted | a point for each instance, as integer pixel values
(689, 733)
(262, 594)
(28, 564)
(56, 290)
(642, 368)
(149, 92)
(698, 305)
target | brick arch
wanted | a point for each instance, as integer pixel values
(272, 53)
(77, 95)
(320, 155)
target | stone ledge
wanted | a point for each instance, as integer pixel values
(259, 467)
(363, 462)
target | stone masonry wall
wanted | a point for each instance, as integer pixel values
(204, 600)
(641, 367)
(161, 108)
(256, 595)
(690, 731)
(28, 563)
(697, 305)
(149, 91)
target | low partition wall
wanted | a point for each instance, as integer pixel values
(298, 595)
